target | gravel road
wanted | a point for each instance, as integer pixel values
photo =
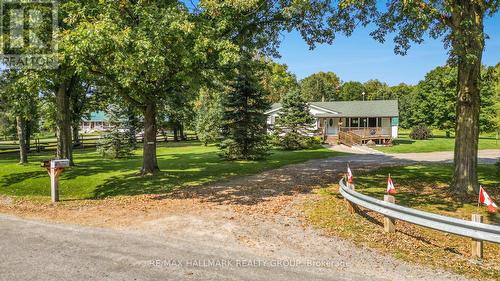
(44, 251)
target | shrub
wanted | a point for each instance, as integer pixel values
(420, 132)
(296, 141)
(292, 141)
(312, 142)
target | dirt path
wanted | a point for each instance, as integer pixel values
(257, 215)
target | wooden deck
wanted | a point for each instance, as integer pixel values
(365, 136)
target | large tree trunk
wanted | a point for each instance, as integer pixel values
(150, 163)
(181, 132)
(176, 132)
(63, 122)
(468, 45)
(76, 134)
(21, 134)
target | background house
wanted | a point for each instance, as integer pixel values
(97, 122)
(362, 122)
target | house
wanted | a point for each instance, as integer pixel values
(97, 122)
(351, 122)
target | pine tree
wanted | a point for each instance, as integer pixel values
(131, 125)
(244, 120)
(293, 129)
(117, 142)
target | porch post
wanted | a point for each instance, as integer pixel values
(324, 128)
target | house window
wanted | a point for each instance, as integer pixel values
(330, 122)
(372, 122)
(354, 122)
(364, 122)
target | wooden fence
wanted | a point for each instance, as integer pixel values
(85, 142)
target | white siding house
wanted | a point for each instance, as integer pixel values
(374, 120)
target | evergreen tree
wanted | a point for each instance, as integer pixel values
(293, 128)
(132, 125)
(117, 141)
(244, 120)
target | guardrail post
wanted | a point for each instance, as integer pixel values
(389, 223)
(350, 206)
(477, 245)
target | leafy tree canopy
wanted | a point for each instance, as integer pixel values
(352, 90)
(321, 86)
(277, 80)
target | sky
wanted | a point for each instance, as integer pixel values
(361, 58)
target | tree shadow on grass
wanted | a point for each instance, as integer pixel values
(183, 169)
(403, 141)
(12, 179)
(200, 175)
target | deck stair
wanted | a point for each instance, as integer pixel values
(364, 136)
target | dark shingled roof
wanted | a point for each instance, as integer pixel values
(374, 108)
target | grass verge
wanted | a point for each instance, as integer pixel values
(438, 143)
(420, 187)
(181, 164)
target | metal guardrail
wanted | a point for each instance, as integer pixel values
(475, 230)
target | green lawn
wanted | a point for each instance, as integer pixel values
(182, 164)
(439, 143)
(423, 187)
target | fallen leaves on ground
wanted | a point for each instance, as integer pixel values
(409, 242)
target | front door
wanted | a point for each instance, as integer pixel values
(332, 126)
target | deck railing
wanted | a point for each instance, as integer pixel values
(367, 132)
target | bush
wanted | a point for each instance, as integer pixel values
(292, 141)
(420, 132)
(296, 141)
(312, 142)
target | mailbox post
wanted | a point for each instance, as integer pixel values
(54, 169)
